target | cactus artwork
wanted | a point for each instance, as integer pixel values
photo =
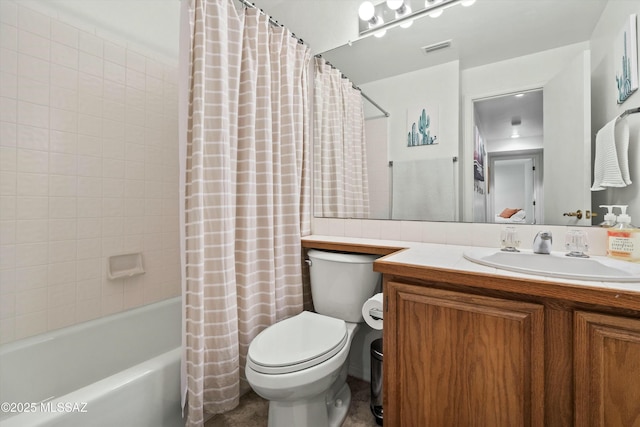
(423, 134)
(627, 74)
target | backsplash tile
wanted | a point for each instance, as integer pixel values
(89, 168)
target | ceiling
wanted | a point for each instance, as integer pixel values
(488, 31)
(496, 115)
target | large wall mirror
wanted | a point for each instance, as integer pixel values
(510, 100)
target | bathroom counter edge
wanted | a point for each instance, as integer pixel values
(442, 263)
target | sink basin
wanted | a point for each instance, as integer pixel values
(557, 265)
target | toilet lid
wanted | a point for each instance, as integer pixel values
(297, 343)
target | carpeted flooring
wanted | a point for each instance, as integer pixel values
(253, 410)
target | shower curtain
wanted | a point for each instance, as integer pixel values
(245, 187)
(341, 188)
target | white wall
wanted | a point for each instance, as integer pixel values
(435, 86)
(604, 107)
(88, 169)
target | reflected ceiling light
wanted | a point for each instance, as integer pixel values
(435, 13)
(519, 95)
(467, 3)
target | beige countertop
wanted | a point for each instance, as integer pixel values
(446, 263)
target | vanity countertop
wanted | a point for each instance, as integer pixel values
(446, 264)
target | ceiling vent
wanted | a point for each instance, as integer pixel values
(436, 46)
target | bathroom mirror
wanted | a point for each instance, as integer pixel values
(497, 49)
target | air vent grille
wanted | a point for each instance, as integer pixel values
(436, 46)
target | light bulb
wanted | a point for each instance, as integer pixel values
(435, 13)
(407, 11)
(467, 3)
(395, 4)
(376, 21)
(366, 11)
(407, 24)
(380, 33)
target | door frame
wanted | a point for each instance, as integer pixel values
(537, 157)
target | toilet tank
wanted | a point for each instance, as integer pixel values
(341, 283)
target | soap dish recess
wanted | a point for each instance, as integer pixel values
(125, 265)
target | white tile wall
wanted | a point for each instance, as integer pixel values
(88, 169)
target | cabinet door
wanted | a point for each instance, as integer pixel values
(455, 359)
(607, 358)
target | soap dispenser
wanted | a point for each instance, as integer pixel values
(623, 239)
(610, 218)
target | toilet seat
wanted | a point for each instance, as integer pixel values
(297, 343)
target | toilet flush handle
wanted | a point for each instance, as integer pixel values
(308, 261)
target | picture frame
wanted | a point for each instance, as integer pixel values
(626, 60)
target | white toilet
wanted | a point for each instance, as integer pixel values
(300, 363)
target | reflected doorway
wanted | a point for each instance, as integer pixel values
(509, 158)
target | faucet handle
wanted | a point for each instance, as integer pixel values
(545, 235)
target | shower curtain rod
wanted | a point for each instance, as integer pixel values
(271, 20)
(375, 104)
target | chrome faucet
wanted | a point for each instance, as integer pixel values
(542, 242)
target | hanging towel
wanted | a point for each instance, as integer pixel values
(611, 167)
(424, 190)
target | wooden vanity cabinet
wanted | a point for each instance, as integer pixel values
(459, 356)
(607, 370)
(457, 359)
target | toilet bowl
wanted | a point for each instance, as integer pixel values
(300, 363)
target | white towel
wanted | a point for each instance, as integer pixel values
(611, 166)
(424, 190)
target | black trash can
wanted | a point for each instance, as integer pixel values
(376, 380)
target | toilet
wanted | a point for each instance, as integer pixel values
(300, 364)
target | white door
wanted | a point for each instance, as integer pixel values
(567, 143)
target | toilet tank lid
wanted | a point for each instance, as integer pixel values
(346, 257)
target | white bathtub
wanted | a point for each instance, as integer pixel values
(121, 370)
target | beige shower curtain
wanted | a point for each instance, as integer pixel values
(245, 166)
(341, 186)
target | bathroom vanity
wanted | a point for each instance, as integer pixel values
(466, 344)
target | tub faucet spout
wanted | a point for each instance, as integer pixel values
(542, 243)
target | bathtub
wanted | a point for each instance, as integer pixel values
(121, 370)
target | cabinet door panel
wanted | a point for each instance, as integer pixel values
(607, 357)
(462, 360)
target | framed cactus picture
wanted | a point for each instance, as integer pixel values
(626, 57)
(422, 124)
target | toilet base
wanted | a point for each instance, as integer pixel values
(312, 412)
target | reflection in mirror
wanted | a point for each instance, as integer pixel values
(497, 47)
(508, 153)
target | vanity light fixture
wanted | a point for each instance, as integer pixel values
(435, 13)
(402, 9)
(372, 16)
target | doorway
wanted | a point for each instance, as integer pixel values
(510, 128)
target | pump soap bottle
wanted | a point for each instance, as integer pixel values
(623, 239)
(609, 217)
